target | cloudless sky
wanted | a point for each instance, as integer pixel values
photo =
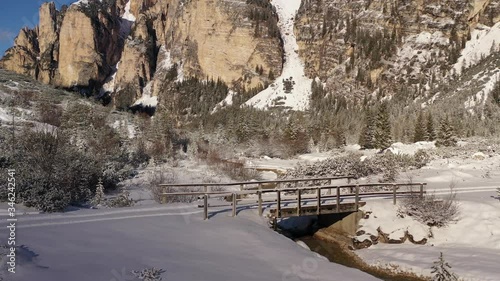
(16, 14)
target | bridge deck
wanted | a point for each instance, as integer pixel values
(313, 210)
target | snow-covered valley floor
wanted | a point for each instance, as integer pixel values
(104, 245)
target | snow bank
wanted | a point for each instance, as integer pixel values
(471, 245)
(411, 149)
(384, 215)
(100, 246)
(275, 95)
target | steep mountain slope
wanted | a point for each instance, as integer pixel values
(365, 46)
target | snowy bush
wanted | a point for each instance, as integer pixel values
(430, 210)
(420, 158)
(233, 168)
(53, 174)
(387, 164)
(441, 270)
(149, 274)
(123, 200)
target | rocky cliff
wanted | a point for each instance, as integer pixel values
(127, 48)
(361, 47)
(124, 46)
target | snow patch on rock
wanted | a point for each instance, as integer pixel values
(483, 40)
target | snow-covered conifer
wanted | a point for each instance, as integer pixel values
(441, 270)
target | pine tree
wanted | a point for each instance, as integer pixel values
(446, 135)
(367, 136)
(99, 193)
(441, 270)
(383, 136)
(431, 133)
(495, 93)
(420, 128)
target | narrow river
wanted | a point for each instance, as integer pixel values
(335, 253)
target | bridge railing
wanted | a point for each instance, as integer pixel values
(256, 184)
(300, 195)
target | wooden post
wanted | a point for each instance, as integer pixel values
(234, 204)
(338, 199)
(421, 190)
(242, 187)
(278, 185)
(205, 188)
(278, 207)
(394, 194)
(260, 186)
(330, 190)
(295, 183)
(356, 198)
(163, 196)
(299, 195)
(260, 202)
(318, 207)
(205, 207)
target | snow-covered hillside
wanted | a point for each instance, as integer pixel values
(483, 41)
(280, 93)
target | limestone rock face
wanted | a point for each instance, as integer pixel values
(134, 42)
(78, 59)
(22, 58)
(137, 64)
(87, 48)
(217, 40)
(203, 38)
(47, 29)
(48, 42)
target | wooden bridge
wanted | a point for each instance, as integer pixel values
(286, 198)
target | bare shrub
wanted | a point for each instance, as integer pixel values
(430, 210)
(22, 98)
(50, 114)
(233, 168)
(165, 176)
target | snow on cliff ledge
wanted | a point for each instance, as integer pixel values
(275, 95)
(483, 38)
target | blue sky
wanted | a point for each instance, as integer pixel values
(18, 13)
